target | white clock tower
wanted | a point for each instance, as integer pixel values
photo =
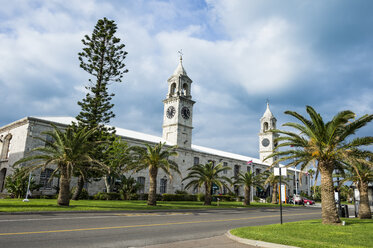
(178, 109)
(266, 139)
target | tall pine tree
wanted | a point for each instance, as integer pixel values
(102, 57)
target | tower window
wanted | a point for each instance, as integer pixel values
(265, 126)
(173, 89)
(236, 170)
(185, 90)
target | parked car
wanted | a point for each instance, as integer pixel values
(297, 199)
(308, 201)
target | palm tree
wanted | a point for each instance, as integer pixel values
(248, 180)
(207, 175)
(311, 172)
(67, 153)
(273, 181)
(324, 145)
(361, 174)
(154, 158)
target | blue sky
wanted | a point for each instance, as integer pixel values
(238, 54)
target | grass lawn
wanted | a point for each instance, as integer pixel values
(34, 205)
(311, 233)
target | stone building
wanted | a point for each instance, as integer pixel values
(18, 138)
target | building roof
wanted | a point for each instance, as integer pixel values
(155, 139)
(268, 114)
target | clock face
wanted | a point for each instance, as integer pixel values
(185, 113)
(265, 142)
(170, 112)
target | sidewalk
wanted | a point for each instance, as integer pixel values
(214, 242)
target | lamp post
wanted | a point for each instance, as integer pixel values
(338, 195)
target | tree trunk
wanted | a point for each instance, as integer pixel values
(208, 194)
(152, 197)
(247, 196)
(79, 188)
(64, 194)
(329, 209)
(274, 194)
(364, 208)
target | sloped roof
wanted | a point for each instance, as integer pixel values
(155, 139)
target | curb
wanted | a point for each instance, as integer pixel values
(257, 243)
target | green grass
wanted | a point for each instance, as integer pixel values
(36, 205)
(311, 233)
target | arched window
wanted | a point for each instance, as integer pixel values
(265, 126)
(163, 186)
(141, 182)
(173, 89)
(45, 177)
(2, 179)
(185, 90)
(5, 149)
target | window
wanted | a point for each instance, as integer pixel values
(195, 189)
(225, 164)
(173, 89)
(257, 171)
(248, 169)
(265, 126)
(163, 186)
(5, 149)
(49, 140)
(185, 90)
(211, 161)
(2, 178)
(236, 170)
(141, 182)
(45, 176)
(196, 160)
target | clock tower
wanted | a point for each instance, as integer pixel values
(266, 139)
(178, 109)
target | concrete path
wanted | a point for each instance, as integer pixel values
(221, 241)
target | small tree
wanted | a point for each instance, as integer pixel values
(17, 183)
(118, 159)
(206, 175)
(273, 181)
(361, 174)
(154, 158)
(248, 180)
(128, 186)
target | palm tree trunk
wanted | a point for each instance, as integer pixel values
(274, 194)
(79, 188)
(329, 209)
(207, 194)
(64, 194)
(152, 197)
(247, 196)
(364, 209)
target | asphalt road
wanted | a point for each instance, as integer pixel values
(134, 229)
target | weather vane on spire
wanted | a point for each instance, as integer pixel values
(181, 54)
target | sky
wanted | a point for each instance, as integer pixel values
(239, 54)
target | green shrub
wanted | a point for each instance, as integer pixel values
(181, 192)
(226, 197)
(107, 196)
(256, 198)
(178, 197)
(269, 199)
(200, 197)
